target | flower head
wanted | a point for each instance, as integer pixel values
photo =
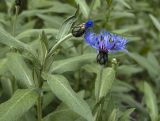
(105, 41)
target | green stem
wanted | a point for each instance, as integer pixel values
(100, 81)
(59, 42)
(15, 20)
(100, 108)
(39, 108)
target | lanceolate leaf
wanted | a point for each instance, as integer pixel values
(108, 77)
(126, 115)
(62, 113)
(20, 70)
(71, 64)
(66, 26)
(113, 116)
(155, 21)
(19, 104)
(36, 32)
(151, 102)
(102, 89)
(83, 7)
(61, 88)
(8, 40)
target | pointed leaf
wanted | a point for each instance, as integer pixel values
(20, 103)
(42, 48)
(20, 70)
(104, 85)
(83, 7)
(35, 33)
(113, 116)
(126, 115)
(62, 113)
(151, 101)
(8, 40)
(155, 22)
(66, 26)
(61, 88)
(62, 66)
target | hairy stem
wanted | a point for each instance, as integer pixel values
(100, 107)
(39, 108)
(59, 42)
(100, 80)
(15, 20)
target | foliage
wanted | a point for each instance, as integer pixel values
(46, 74)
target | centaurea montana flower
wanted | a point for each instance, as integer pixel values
(105, 43)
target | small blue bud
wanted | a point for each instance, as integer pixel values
(89, 23)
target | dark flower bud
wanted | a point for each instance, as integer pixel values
(79, 30)
(102, 57)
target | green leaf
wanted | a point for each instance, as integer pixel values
(47, 99)
(104, 85)
(42, 48)
(83, 7)
(7, 86)
(113, 115)
(3, 67)
(153, 61)
(62, 113)
(8, 40)
(129, 70)
(122, 86)
(66, 26)
(123, 2)
(126, 115)
(109, 2)
(57, 7)
(20, 70)
(19, 104)
(61, 88)
(65, 65)
(36, 33)
(145, 64)
(51, 21)
(131, 102)
(155, 22)
(151, 101)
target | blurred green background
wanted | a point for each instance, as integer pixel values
(137, 83)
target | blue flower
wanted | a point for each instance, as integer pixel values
(105, 41)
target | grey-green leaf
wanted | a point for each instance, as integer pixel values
(65, 65)
(108, 76)
(9, 40)
(61, 88)
(155, 22)
(35, 33)
(126, 115)
(66, 26)
(151, 101)
(19, 104)
(20, 70)
(83, 7)
(113, 115)
(62, 113)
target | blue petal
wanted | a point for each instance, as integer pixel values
(119, 43)
(91, 39)
(105, 41)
